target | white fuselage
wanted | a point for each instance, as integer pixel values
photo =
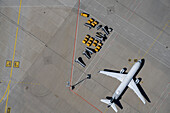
(127, 80)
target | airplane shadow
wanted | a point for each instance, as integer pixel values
(117, 102)
(143, 93)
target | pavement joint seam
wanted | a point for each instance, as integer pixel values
(132, 24)
(91, 61)
(144, 50)
(143, 18)
(73, 62)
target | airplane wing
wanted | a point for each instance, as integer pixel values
(118, 76)
(134, 87)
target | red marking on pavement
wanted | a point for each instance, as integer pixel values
(73, 61)
(134, 10)
(129, 9)
(74, 45)
(86, 101)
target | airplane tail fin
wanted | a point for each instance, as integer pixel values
(106, 101)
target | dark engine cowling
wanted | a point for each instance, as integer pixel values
(122, 71)
(138, 80)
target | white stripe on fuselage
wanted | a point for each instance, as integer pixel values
(126, 80)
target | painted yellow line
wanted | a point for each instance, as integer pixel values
(155, 40)
(4, 95)
(20, 83)
(106, 110)
(8, 88)
(7, 98)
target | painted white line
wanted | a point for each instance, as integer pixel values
(134, 9)
(132, 34)
(159, 98)
(161, 103)
(96, 55)
(130, 23)
(100, 4)
(92, 60)
(129, 7)
(75, 45)
(102, 15)
(95, 9)
(138, 29)
(117, 24)
(124, 38)
(145, 51)
(98, 59)
(125, 29)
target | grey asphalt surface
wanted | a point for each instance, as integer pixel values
(45, 50)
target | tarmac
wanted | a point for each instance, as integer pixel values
(49, 39)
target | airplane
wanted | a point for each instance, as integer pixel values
(126, 80)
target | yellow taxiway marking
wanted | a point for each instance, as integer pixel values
(21, 82)
(9, 110)
(155, 39)
(16, 64)
(106, 110)
(8, 63)
(8, 88)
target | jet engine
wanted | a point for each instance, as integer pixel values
(122, 71)
(137, 81)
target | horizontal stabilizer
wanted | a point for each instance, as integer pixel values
(109, 104)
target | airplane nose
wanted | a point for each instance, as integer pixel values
(140, 60)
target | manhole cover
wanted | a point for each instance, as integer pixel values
(110, 10)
